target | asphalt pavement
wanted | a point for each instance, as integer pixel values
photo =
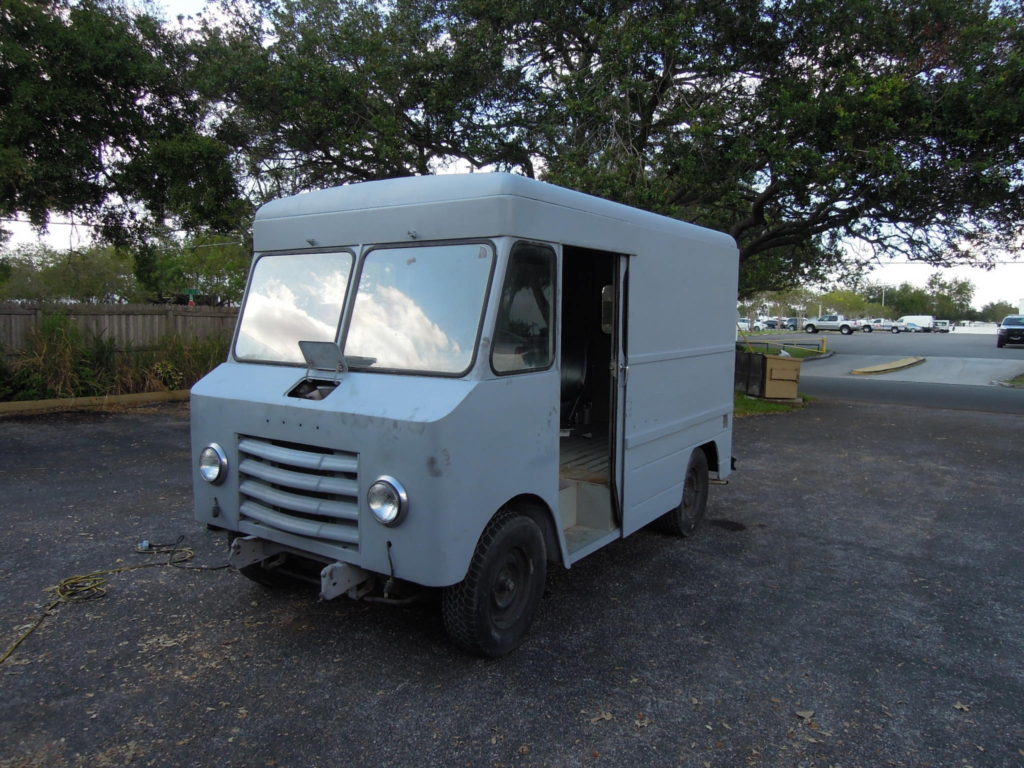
(961, 370)
(854, 600)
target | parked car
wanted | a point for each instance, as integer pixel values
(743, 324)
(943, 326)
(881, 324)
(832, 323)
(765, 325)
(794, 323)
(1010, 331)
(915, 328)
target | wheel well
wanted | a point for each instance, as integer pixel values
(711, 454)
(537, 509)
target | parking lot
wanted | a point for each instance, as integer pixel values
(854, 600)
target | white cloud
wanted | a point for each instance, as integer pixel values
(390, 326)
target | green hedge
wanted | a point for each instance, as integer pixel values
(60, 361)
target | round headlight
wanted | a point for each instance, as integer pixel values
(388, 501)
(213, 464)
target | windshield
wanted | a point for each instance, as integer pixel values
(292, 297)
(1014, 320)
(419, 308)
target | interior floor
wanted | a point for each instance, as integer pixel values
(585, 459)
(588, 341)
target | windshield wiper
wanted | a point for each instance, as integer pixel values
(358, 361)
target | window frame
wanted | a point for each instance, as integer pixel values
(350, 304)
(351, 250)
(555, 307)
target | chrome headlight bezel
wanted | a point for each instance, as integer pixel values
(213, 464)
(388, 501)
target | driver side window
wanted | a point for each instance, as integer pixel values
(523, 333)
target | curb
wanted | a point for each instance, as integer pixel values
(100, 402)
(895, 365)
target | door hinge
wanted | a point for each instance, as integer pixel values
(623, 374)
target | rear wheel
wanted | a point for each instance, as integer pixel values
(894, 329)
(489, 612)
(810, 329)
(684, 519)
(868, 329)
(846, 330)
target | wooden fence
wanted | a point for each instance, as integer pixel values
(134, 325)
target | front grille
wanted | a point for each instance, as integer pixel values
(300, 489)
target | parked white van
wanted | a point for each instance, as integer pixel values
(925, 322)
(451, 381)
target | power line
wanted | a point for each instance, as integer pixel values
(53, 223)
(948, 266)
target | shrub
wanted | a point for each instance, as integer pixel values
(60, 361)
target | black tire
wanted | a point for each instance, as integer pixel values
(868, 329)
(1000, 343)
(810, 328)
(489, 612)
(684, 519)
(845, 330)
(894, 329)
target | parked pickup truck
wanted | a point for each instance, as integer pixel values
(881, 324)
(833, 323)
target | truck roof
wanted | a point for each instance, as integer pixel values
(500, 188)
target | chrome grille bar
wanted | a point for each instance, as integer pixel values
(328, 462)
(300, 489)
(299, 480)
(294, 502)
(344, 534)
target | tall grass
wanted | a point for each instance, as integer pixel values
(60, 361)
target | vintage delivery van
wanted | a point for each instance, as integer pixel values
(455, 381)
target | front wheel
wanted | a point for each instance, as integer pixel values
(810, 329)
(867, 329)
(894, 329)
(489, 612)
(684, 519)
(846, 330)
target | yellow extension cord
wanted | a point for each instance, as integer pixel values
(90, 586)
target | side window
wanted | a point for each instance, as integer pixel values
(523, 333)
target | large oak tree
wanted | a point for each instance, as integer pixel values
(799, 126)
(98, 123)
